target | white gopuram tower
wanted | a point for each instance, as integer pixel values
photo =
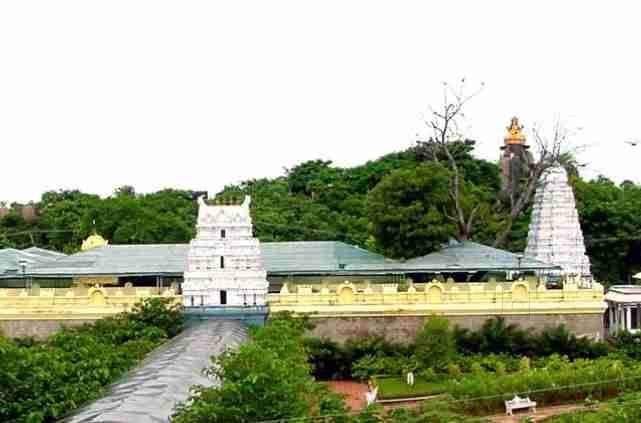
(224, 264)
(555, 234)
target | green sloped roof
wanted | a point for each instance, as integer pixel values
(301, 257)
(472, 256)
(10, 259)
(313, 256)
(170, 259)
(45, 254)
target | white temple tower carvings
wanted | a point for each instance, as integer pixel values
(224, 263)
(555, 234)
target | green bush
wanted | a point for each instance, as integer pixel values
(435, 345)
(476, 368)
(397, 387)
(495, 346)
(41, 381)
(369, 366)
(628, 343)
(328, 359)
(489, 363)
(454, 371)
(428, 375)
(331, 360)
(497, 337)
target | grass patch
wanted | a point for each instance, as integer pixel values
(396, 387)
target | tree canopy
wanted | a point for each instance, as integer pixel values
(407, 211)
(397, 205)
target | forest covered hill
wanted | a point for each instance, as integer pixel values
(397, 205)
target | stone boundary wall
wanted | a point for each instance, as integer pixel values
(404, 328)
(41, 312)
(39, 329)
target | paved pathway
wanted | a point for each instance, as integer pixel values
(354, 392)
(541, 413)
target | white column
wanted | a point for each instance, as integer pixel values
(628, 319)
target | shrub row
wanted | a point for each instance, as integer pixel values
(437, 347)
(559, 381)
(497, 337)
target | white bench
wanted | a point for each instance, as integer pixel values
(518, 403)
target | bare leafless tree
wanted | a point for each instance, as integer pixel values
(445, 142)
(552, 150)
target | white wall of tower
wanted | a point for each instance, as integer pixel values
(555, 234)
(224, 264)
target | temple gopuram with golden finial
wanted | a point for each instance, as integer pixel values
(347, 291)
(515, 161)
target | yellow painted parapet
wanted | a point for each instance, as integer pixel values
(346, 299)
(73, 303)
(491, 298)
(95, 280)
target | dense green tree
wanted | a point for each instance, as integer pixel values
(408, 211)
(62, 217)
(611, 223)
(317, 200)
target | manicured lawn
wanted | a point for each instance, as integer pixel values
(396, 387)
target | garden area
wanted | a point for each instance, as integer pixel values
(43, 381)
(280, 374)
(478, 370)
(624, 409)
(270, 378)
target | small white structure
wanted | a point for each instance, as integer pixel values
(224, 264)
(518, 403)
(370, 396)
(410, 378)
(624, 308)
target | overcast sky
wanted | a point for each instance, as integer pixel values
(199, 94)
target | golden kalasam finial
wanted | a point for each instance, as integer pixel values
(515, 132)
(93, 241)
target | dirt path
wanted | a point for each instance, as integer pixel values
(354, 392)
(541, 413)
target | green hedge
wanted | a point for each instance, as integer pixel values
(559, 382)
(554, 380)
(395, 387)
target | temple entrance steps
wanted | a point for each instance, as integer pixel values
(251, 315)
